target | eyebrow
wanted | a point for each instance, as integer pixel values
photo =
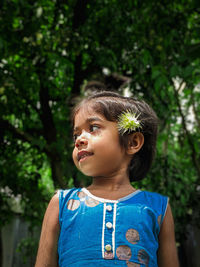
(91, 119)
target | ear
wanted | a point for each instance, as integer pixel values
(136, 141)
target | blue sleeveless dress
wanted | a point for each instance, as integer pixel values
(101, 232)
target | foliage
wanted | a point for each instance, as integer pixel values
(27, 247)
(50, 49)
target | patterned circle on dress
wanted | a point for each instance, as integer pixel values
(143, 256)
(159, 220)
(132, 264)
(81, 194)
(73, 204)
(132, 236)
(123, 252)
(90, 202)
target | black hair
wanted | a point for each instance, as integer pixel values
(111, 104)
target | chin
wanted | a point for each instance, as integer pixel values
(90, 173)
(87, 173)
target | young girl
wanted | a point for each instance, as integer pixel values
(110, 223)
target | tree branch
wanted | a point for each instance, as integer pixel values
(195, 110)
(79, 14)
(50, 133)
(78, 75)
(79, 19)
(46, 114)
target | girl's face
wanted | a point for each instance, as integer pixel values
(97, 150)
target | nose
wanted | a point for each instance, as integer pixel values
(81, 141)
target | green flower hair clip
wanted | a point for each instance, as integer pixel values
(128, 122)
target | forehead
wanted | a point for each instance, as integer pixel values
(87, 114)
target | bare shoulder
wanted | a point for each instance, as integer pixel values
(51, 217)
(53, 204)
(168, 222)
(167, 252)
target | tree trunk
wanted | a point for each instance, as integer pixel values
(57, 173)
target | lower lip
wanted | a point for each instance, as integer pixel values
(83, 159)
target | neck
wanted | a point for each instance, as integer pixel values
(111, 183)
(112, 188)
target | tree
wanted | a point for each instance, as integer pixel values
(50, 49)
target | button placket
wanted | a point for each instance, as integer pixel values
(108, 232)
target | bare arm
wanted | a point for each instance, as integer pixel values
(47, 252)
(167, 253)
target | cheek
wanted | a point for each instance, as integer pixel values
(74, 155)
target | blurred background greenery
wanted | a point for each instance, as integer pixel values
(50, 49)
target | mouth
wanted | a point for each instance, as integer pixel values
(83, 154)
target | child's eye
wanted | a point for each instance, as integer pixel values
(94, 128)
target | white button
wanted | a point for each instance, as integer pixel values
(108, 247)
(109, 207)
(109, 225)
